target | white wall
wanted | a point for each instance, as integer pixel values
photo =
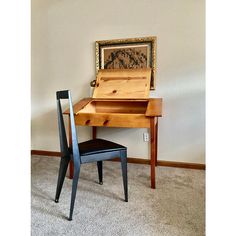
(63, 57)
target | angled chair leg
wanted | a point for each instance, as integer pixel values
(123, 157)
(100, 174)
(74, 189)
(61, 176)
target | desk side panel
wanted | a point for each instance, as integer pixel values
(154, 107)
(78, 106)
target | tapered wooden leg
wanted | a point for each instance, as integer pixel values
(99, 166)
(156, 140)
(61, 176)
(71, 166)
(153, 152)
(71, 170)
(123, 157)
(94, 132)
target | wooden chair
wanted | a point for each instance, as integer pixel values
(96, 150)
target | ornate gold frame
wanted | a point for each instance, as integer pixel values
(150, 40)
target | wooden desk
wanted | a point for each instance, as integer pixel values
(120, 99)
(148, 120)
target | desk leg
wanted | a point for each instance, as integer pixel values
(153, 151)
(94, 132)
(71, 166)
(156, 140)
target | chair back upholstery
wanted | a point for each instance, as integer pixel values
(66, 94)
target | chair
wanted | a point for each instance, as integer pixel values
(96, 150)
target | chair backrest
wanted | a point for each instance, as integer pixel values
(66, 94)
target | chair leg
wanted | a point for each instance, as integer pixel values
(74, 189)
(61, 176)
(100, 174)
(123, 157)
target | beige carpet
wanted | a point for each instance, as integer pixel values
(176, 207)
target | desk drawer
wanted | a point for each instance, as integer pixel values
(113, 120)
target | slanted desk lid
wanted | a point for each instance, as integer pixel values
(122, 83)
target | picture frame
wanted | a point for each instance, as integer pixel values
(126, 54)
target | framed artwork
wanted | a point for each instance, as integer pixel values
(127, 54)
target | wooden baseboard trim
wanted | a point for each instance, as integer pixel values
(45, 153)
(197, 166)
(134, 160)
(187, 165)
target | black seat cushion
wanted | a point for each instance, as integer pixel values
(97, 146)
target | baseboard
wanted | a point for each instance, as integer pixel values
(188, 165)
(134, 160)
(45, 153)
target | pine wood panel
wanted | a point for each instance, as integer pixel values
(123, 83)
(115, 106)
(121, 107)
(113, 120)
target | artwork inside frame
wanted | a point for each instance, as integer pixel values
(128, 53)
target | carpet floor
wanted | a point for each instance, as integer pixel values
(175, 208)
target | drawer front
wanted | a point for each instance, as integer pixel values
(113, 120)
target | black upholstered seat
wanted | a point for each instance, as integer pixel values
(95, 146)
(95, 150)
